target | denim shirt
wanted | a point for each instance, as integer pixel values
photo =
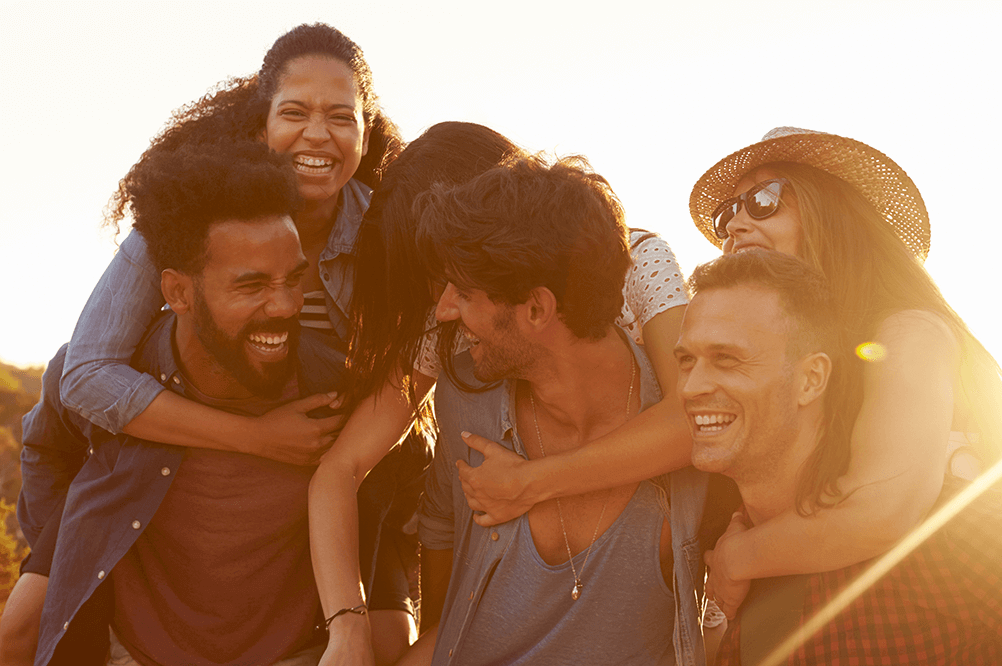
(98, 382)
(446, 520)
(112, 484)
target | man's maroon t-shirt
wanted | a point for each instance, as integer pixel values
(222, 574)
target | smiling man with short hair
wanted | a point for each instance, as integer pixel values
(759, 368)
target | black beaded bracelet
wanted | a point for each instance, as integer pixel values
(357, 610)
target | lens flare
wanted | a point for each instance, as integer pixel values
(871, 351)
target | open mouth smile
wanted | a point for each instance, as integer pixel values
(312, 165)
(707, 423)
(472, 339)
(273, 345)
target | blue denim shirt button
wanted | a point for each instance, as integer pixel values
(163, 377)
(165, 471)
(177, 380)
(136, 524)
(494, 536)
(100, 575)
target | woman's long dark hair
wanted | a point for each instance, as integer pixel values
(392, 296)
(237, 109)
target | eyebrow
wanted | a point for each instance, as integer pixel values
(253, 276)
(713, 347)
(326, 108)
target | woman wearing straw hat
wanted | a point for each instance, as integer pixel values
(922, 385)
(933, 400)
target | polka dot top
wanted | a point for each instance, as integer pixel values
(654, 283)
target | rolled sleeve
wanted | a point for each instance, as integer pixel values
(97, 382)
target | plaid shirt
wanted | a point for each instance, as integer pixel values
(940, 605)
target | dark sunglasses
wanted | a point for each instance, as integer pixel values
(761, 201)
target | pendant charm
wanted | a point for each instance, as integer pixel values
(576, 592)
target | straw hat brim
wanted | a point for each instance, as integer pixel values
(875, 175)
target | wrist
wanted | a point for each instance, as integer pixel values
(348, 628)
(738, 557)
(530, 482)
(250, 435)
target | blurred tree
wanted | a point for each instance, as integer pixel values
(19, 391)
(12, 551)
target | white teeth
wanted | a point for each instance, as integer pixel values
(270, 339)
(720, 420)
(472, 339)
(310, 161)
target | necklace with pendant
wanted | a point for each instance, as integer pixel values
(578, 585)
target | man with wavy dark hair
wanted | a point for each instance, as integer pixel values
(193, 555)
(534, 258)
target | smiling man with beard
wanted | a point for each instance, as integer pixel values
(192, 555)
(534, 258)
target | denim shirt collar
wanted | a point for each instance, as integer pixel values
(156, 353)
(354, 202)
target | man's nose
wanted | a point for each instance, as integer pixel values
(694, 382)
(446, 309)
(284, 302)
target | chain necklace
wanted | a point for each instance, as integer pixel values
(576, 592)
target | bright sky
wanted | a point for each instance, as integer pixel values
(654, 93)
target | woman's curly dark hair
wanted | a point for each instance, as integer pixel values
(236, 109)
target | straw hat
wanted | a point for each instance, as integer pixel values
(875, 175)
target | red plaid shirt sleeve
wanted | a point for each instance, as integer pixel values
(941, 605)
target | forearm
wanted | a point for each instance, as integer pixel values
(374, 427)
(334, 536)
(172, 419)
(97, 382)
(866, 524)
(654, 442)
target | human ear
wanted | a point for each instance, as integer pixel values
(365, 140)
(178, 290)
(540, 307)
(815, 371)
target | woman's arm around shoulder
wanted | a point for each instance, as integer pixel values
(654, 442)
(97, 382)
